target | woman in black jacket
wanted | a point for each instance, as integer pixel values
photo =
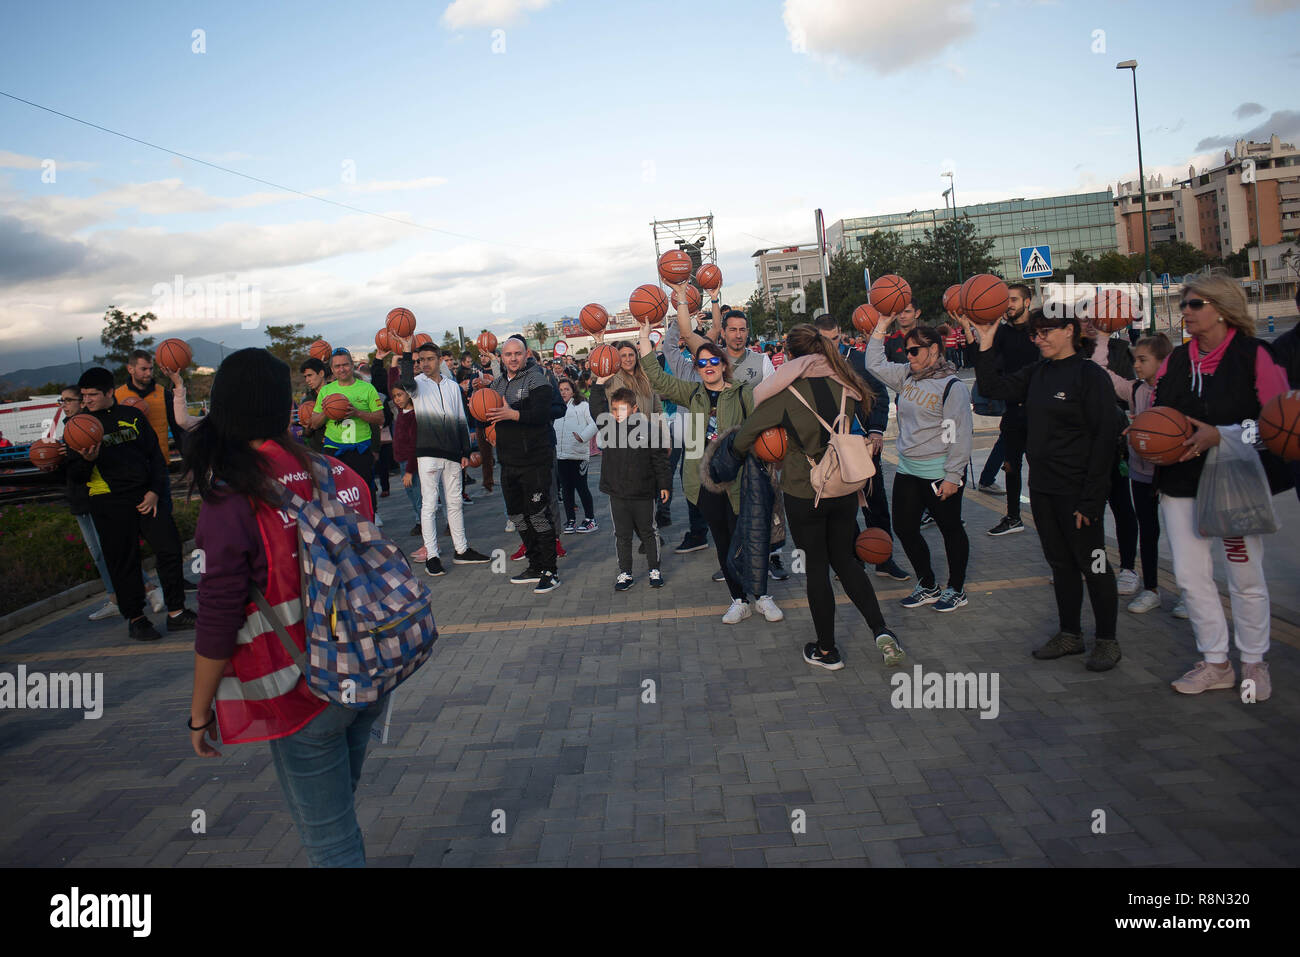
(1073, 424)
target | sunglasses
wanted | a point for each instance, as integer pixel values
(1192, 304)
(341, 352)
(710, 361)
(917, 350)
(1042, 331)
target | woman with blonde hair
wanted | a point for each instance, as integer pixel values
(1220, 378)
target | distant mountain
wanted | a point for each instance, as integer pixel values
(206, 353)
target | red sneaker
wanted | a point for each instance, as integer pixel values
(559, 549)
(519, 555)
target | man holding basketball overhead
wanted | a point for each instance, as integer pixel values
(349, 439)
(140, 383)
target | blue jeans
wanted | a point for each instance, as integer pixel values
(676, 466)
(87, 526)
(992, 463)
(412, 493)
(318, 768)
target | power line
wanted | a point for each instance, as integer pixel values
(267, 182)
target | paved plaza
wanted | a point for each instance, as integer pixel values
(638, 730)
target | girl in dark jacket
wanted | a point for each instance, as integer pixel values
(1073, 425)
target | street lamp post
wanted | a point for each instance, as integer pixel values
(222, 344)
(956, 234)
(80, 367)
(1142, 183)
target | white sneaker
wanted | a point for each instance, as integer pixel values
(379, 522)
(1180, 609)
(738, 611)
(155, 598)
(510, 525)
(769, 610)
(1126, 582)
(108, 611)
(1144, 602)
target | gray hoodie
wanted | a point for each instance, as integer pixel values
(928, 427)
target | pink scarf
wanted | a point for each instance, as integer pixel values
(805, 367)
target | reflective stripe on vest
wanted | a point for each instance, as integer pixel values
(289, 613)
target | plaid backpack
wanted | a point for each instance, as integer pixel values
(369, 621)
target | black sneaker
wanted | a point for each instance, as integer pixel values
(1105, 655)
(1007, 526)
(891, 569)
(775, 570)
(656, 578)
(416, 532)
(718, 576)
(1059, 645)
(470, 557)
(546, 582)
(528, 576)
(829, 660)
(142, 629)
(433, 567)
(624, 581)
(663, 519)
(692, 543)
(926, 519)
(185, 621)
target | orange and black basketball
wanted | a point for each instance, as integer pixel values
(400, 322)
(320, 350)
(336, 405)
(1158, 435)
(1111, 310)
(475, 460)
(45, 452)
(594, 317)
(952, 298)
(384, 341)
(709, 277)
(135, 402)
(484, 401)
(603, 360)
(173, 354)
(82, 432)
(874, 546)
(1279, 425)
(421, 339)
(648, 303)
(772, 444)
(305, 412)
(490, 433)
(675, 266)
(694, 299)
(865, 318)
(984, 298)
(890, 294)
(487, 342)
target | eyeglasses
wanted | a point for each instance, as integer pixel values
(709, 361)
(1192, 304)
(66, 399)
(1042, 331)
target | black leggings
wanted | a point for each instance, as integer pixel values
(876, 511)
(914, 495)
(825, 535)
(1120, 501)
(1148, 520)
(716, 510)
(1074, 554)
(1013, 454)
(573, 477)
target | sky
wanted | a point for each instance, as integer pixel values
(505, 158)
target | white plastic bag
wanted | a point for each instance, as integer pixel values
(1233, 498)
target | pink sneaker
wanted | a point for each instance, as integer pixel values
(1257, 671)
(1206, 677)
(422, 555)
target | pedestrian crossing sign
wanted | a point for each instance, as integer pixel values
(1035, 261)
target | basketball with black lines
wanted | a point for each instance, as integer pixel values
(1158, 435)
(45, 452)
(984, 298)
(81, 433)
(874, 546)
(694, 298)
(865, 318)
(336, 406)
(384, 341)
(675, 266)
(709, 277)
(890, 294)
(173, 354)
(1279, 425)
(421, 339)
(486, 342)
(603, 360)
(648, 303)
(952, 298)
(320, 350)
(400, 322)
(772, 444)
(594, 317)
(484, 401)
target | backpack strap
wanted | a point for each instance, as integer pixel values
(299, 657)
(825, 425)
(946, 389)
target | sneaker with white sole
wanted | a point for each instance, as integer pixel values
(108, 611)
(738, 611)
(470, 557)
(767, 608)
(546, 581)
(1206, 677)
(656, 578)
(1180, 609)
(830, 660)
(570, 528)
(921, 596)
(950, 600)
(1257, 671)
(993, 488)
(510, 525)
(587, 526)
(1126, 582)
(528, 576)
(890, 649)
(624, 581)
(1008, 526)
(1146, 601)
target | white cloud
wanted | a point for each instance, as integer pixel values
(488, 13)
(394, 185)
(10, 160)
(882, 35)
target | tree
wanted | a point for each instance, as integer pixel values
(449, 344)
(119, 338)
(541, 332)
(288, 344)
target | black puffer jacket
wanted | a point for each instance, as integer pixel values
(760, 526)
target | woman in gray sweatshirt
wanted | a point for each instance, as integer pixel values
(934, 442)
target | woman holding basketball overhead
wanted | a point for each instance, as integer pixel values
(1219, 379)
(1072, 423)
(804, 396)
(934, 443)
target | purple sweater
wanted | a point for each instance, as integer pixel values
(234, 560)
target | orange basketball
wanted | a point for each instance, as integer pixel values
(865, 318)
(336, 405)
(475, 460)
(305, 412)
(594, 317)
(1158, 435)
(482, 382)
(421, 339)
(890, 294)
(483, 401)
(648, 303)
(984, 298)
(709, 277)
(675, 266)
(384, 341)
(45, 452)
(771, 444)
(320, 349)
(952, 298)
(135, 402)
(1111, 310)
(173, 354)
(487, 342)
(400, 322)
(603, 360)
(490, 433)
(694, 299)
(1279, 421)
(82, 432)
(874, 546)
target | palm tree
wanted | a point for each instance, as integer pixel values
(540, 330)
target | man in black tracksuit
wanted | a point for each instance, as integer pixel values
(125, 479)
(526, 448)
(634, 474)
(1015, 351)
